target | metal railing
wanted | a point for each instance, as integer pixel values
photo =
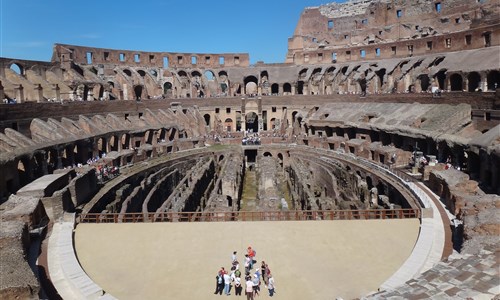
(291, 215)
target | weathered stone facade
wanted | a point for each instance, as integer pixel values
(303, 113)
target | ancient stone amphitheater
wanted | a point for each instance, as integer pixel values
(383, 110)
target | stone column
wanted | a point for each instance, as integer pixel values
(2, 94)
(280, 89)
(90, 95)
(72, 95)
(57, 92)
(39, 93)
(19, 93)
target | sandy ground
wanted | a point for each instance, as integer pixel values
(309, 259)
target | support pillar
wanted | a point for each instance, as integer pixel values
(39, 93)
(2, 94)
(57, 92)
(19, 93)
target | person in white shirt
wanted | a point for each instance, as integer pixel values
(237, 286)
(270, 285)
(249, 288)
(227, 284)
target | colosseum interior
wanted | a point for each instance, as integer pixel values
(383, 111)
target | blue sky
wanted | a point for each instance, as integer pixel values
(261, 28)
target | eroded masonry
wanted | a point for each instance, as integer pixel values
(372, 95)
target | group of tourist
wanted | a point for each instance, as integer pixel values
(253, 139)
(225, 280)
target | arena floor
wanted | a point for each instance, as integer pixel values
(308, 259)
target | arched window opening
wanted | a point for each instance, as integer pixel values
(287, 88)
(456, 82)
(138, 92)
(17, 68)
(493, 80)
(207, 119)
(474, 80)
(274, 89)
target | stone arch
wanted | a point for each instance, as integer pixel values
(138, 91)
(125, 141)
(22, 170)
(380, 75)
(441, 77)
(252, 121)
(274, 88)
(173, 132)
(493, 80)
(113, 143)
(17, 68)
(424, 82)
(209, 75)
(167, 87)
(473, 82)
(207, 119)
(287, 88)
(300, 87)
(251, 84)
(127, 72)
(228, 124)
(267, 154)
(82, 92)
(456, 82)
(142, 73)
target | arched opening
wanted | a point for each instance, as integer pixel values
(251, 122)
(102, 146)
(300, 87)
(138, 92)
(125, 140)
(23, 174)
(274, 88)
(172, 134)
(250, 85)
(280, 157)
(273, 124)
(344, 70)
(380, 74)
(52, 161)
(207, 119)
(127, 72)
(153, 72)
(493, 80)
(17, 68)
(287, 88)
(228, 124)
(303, 74)
(167, 87)
(456, 82)
(141, 72)
(294, 113)
(424, 82)
(369, 182)
(473, 81)
(209, 75)
(268, 154)
(82, 92)
(441, 77)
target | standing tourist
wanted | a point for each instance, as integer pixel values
(249, 288)
(270, 285)
(227, 284)
(237, 286)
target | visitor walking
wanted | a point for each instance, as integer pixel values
(270, 285)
